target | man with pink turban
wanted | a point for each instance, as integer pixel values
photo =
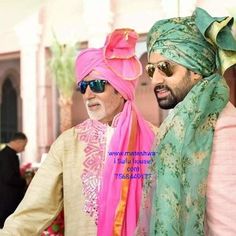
(95, 171)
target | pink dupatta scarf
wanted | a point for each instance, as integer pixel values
(119, 198)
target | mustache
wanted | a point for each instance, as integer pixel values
(92, 102)
(161, 87)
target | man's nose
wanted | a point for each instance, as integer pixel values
(88, 94)
(158, 78)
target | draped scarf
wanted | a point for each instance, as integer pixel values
(119, 198)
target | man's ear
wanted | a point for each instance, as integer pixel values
(195, 76)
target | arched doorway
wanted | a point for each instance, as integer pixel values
(8, 111)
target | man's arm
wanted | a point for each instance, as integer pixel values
(43, 199)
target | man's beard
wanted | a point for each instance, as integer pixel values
(174, 96)
(168, 102)
(96, 115)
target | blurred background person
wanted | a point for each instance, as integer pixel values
(12, 185)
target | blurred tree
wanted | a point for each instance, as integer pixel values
(62, 64)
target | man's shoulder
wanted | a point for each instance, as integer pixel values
(3, 150)
(6, 150)
(73, 132)
(227, 117)
(87, 122)
(228, 111)
(229, 108)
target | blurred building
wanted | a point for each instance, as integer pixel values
(28, 95)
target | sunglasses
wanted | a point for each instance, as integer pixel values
(165, 68)
(96, 86)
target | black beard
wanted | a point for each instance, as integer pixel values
(168, 102)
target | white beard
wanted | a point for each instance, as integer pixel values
(98, 114)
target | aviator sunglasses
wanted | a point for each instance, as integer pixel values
(96, 86)
(165, 68)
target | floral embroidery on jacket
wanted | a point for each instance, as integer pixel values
(93, 134)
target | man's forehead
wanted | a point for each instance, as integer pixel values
(155, 57)
(94, 75)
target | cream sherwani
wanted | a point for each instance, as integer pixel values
(69, 178)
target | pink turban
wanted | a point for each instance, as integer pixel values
(119, 199)
(115, 62)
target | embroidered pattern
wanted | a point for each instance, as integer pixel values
(93, 134)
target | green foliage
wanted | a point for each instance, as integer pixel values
(62, 65)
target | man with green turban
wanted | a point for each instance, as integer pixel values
(194, 192)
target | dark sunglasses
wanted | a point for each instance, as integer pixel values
(165, 68)
(97, 86)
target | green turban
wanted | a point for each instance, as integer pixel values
(200, 42)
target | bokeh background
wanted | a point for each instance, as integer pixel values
(39, 40)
